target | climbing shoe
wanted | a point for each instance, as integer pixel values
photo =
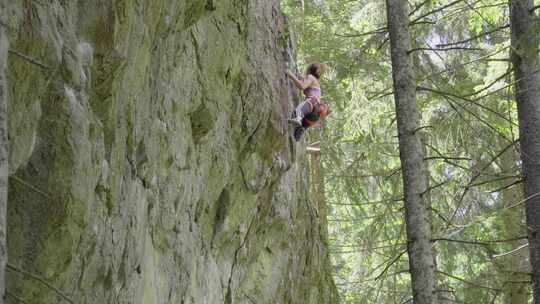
(298, 133)
(296, 121)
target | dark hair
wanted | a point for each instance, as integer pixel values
(316, 69)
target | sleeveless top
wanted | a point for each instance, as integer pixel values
(312, 92)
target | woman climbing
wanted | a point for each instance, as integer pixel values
(308, 112)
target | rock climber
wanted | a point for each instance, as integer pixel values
(312, 109)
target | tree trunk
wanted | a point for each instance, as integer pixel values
(3, 159)
(527, 81)
(412, 151)
(513, 267)
(317, 184)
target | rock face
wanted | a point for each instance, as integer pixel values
(149, 156)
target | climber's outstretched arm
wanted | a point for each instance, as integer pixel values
(300, 83)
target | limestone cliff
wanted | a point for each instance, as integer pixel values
(149, 156)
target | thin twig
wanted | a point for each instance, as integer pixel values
(435, 186)
(381, 30)
(471, 7)
(394, 260)
(504, 75)
(465, 281)
(510, 252)
(29, 59)
(464, 98)
(447, 157)
(489, 181)
(443, 49)
(22, 182)
(437, 10)
(419, 6)
(14, 297)
(480, 242)
(37, 278)
(370, 98)
(519, 181)
(424, 22)
(481, 58)
(524, 200)
(469, 185)
(466, 8)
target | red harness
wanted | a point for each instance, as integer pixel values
(318, 108)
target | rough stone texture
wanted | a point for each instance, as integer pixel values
(4, 172)
(150, 160)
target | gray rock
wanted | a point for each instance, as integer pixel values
(150, 157)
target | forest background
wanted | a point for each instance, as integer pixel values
(461, 54)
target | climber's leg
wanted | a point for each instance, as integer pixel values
(301, 111)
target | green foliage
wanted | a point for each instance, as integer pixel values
(471, 132)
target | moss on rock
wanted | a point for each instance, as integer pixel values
(151, 157)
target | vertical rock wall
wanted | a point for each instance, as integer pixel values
(4, 162)
(149, 156)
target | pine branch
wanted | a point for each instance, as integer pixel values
(374, 97)
(474, 37)
(366, 249)
(381, 30)
(447, 157)
(435, 186)
(450, 300)
(464, 98)
(423, 22)
(466, 8)
(444, 219)
(493, 180)
(519, 181)
(443, 49)
(394, 260)
(523, 200)
(466, 281)
(409, 300)
(360, 219)
(447, 95)
(416, 21)
(419, 6)
(511, 251)
(498, 59)
(480, 242)
(393, 200)
(487, 215)
(446, 160)
(489, 85)
(478, 13)
(437, 10)
(383, 43)
(481, 58)
(453, 105)
(469, 185)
